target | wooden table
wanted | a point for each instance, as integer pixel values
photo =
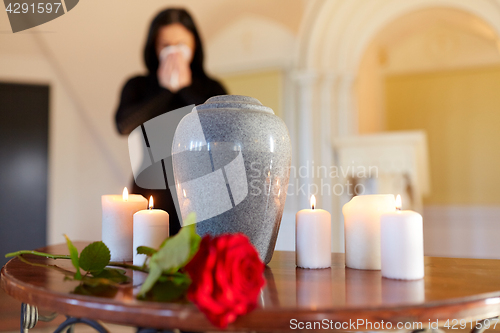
(453, 290)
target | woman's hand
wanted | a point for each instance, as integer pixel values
(174, 72)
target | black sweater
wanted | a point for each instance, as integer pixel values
(142, 99)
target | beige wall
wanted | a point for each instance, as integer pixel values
(422, 41)
(370, 91)
(437, 70)
(266, 86)
(460, 111)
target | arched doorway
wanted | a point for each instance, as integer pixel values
(334, 38)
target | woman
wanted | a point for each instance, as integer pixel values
(174, 58)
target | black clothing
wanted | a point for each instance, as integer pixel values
(142, 99)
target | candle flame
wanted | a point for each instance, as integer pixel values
(151, 202)
(125, 194)
(313, 201)
(399, 205)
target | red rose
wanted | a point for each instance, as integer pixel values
(227, 276)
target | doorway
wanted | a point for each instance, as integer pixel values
(438, 70)
(24, 130)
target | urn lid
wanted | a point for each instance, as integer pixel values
(234, 102)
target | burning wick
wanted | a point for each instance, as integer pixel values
(125, 194)
(150, 203)
(398, 203)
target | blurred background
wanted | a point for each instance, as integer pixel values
(410, 87)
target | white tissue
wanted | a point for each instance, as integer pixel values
(185, 51)
(182, 48)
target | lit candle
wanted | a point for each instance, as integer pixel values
(402, 244)
(150, 229)
(362, 229)
(117, 223)
(313, 237)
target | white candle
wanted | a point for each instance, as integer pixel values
(150, 229)
(117, 223)
(362, 229)
(313, 237)
(402, 244)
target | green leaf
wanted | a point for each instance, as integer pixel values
(95, 257)
(173, 255)
(168, 288)
(177, 278)
(176, 252)
(188, 222)
(73, 253)
(99, 290)
(154, 273)
(165, 242)
(149, 251)
(190, 219)
(36, 253)
(113, 274)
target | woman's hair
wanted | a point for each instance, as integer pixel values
(166, 17)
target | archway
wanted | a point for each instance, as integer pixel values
(333, 38)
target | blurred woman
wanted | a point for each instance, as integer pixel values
(176, 78)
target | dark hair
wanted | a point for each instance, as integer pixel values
(166, 17)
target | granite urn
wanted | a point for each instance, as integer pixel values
(231, 160)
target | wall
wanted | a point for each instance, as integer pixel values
(459, 110)
(78, 173)
(370, 93)
(422, 41)
(266, 86)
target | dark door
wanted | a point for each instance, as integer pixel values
(24, 119)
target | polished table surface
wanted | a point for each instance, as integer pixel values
(452, 289)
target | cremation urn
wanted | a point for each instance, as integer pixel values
(231, 159)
